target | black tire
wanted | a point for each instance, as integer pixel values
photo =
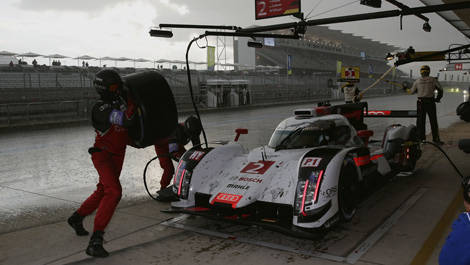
(463, 110)
(157, 112)
(348, 193)
(415, 150)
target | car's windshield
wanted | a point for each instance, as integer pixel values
(315, 134)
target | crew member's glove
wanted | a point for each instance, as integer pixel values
(120, 118)
(357, 98)
(116, 117)
(172, 147)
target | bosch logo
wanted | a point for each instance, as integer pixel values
(255, 180)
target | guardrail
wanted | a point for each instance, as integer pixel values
(12, 114)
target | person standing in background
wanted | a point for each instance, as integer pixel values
(426, 104)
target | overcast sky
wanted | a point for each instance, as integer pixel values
(120, 27)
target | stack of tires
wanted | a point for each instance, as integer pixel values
(463, 110)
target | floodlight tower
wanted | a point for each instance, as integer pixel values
(221, 50)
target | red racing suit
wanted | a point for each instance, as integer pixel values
(110, 122)
(174, 146)
(163, 152)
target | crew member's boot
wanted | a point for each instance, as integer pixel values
(438, 141)
(76, 222)
(95, 247)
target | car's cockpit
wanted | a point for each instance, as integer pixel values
(313, 133)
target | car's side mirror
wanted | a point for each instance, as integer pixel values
(365, 135)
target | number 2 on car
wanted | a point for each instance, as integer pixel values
(258, 168)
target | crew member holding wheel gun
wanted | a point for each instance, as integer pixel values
(426, 103)
(111, 116)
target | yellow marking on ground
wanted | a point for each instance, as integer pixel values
(437, 233)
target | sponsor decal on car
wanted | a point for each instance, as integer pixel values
(375, 157)
(311, 162)
(197, 155)
(247, 179)
(231, 199)
(362, 160)
(378, 112)
(257, 168)
(238, 187)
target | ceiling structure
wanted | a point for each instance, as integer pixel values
(460, 19)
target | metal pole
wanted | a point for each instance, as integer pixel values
(366, 16)
(431, 55)
(189, 26)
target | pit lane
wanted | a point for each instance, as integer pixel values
(346, 242)
(48, 173)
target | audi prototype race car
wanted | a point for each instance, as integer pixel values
(312, 173)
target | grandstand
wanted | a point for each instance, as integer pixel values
(61, 94)
(319, 50)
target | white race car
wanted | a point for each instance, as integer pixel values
(312, 173)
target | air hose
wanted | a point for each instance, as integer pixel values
(361, 94)
(188, 72)
(465, 180)
(145, 178)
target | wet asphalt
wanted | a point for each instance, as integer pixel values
(46, 174)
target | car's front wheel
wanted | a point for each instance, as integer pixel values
(348, 193)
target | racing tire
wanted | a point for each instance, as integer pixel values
(348, 193)
(463, 110)
(414, 150)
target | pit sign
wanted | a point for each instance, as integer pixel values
(275, 8)
(350, 74)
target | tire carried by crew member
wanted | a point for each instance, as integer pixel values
(156, 107)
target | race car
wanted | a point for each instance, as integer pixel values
(312, 173)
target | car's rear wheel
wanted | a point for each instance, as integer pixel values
(348, 193)
(413, 152)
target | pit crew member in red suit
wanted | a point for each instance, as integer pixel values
(111, 116)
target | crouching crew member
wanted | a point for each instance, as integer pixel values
(111, 116)
(173, 147)
(426, 103)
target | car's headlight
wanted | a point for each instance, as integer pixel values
(182, 180)
(307, 193)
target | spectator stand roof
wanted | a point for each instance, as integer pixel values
(29, 54)
(7, 53)
(54, 56)
(84, 58)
